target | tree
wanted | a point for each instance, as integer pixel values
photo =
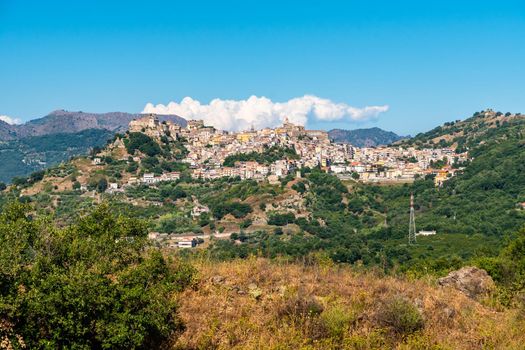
(143, 143)
(3, 186)
(102, 185)
(92, 285)
(281, 219)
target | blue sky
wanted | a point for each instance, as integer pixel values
(429, 61)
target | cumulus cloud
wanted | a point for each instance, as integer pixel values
(10, 120)
(261, 112)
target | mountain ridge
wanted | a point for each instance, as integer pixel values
(367, 137)
(62, 121)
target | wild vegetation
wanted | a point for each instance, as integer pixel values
(260, 304)
(91, 285)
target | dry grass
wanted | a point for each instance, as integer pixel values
(331, 307)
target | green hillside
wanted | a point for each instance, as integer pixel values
(24, 156)
(474, 213)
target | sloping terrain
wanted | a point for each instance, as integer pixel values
(60, 135)
(466, 134)
(23, 156)
(259, 304)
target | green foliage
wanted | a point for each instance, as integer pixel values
(336, 321)
(400, 316)
(281, 219)
(299, 187)
(508, 268)
(246, 223)
(90, 285)
(97, 182)
(237, 209)
(141, 142)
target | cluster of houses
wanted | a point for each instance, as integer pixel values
(208, 149)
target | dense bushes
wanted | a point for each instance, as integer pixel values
(237, 209)
(281, 219)
(90, 285)
(508, 269)
(400, 316)
(141, 142)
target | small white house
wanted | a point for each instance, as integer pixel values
(186, 244)
(149, 178)
(426, 233)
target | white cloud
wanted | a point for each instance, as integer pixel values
(10, 120)
(262, 112)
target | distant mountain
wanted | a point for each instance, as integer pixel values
(6, 131)
(23, 156)
(61, 121)
(58, 136)
(364, 137)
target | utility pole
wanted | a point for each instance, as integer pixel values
(412, 223)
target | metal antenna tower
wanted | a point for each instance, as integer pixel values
(412, 223)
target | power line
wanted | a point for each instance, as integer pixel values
(412, 223)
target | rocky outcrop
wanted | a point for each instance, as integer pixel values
(471, 281)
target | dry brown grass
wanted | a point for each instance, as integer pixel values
(330, 307)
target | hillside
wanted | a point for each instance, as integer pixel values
(259, 304)
(61, 121)
(24, 156)
(468, 133)
(6, 131)
(355, 223)
(99, 283)
(60, 135)
(364, 137)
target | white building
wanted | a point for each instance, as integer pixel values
(426, 233)
(149, 178)
(186, 244)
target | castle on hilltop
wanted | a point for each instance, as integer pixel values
(151, 126)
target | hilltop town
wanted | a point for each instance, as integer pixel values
(212, 153)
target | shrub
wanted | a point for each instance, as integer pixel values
(246, 223)
(300, 306)
(299, 187)
(400, 316)
(336, 321)
(237, 209)
(281, 219)
(143, 143)
(91, 285)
